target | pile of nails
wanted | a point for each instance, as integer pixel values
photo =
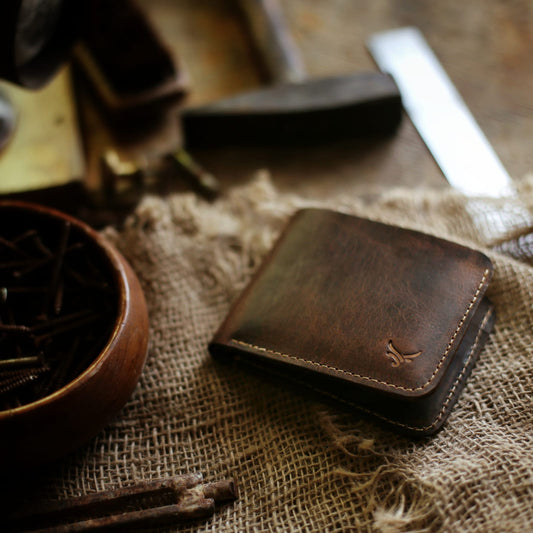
(58, 305)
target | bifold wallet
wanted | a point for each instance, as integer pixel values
(380, 318)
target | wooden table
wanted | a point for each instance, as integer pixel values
(484, 45)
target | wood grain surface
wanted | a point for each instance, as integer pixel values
(484, 45)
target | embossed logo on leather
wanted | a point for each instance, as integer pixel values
(398, 358)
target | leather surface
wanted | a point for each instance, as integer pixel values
(367, 312)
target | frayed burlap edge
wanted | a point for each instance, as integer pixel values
(303, 466)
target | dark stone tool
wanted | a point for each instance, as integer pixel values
(294, 110)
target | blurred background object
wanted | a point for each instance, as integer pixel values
(36, 38)
(41, 148)
(8, 118)
(483, 45)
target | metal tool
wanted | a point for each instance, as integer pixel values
(138, 83)
(35, 38)
(294, 110)
(130, 68)
(451, 133)
(147, 504)
(44, 150)
(129, 117)
(7, 119)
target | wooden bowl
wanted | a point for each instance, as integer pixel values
(51, 426)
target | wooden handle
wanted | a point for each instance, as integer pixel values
(274, 40)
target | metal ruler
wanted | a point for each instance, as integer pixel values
(449, 130)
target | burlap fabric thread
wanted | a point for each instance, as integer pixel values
(303, 466)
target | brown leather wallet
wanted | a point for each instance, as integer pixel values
(378, 317)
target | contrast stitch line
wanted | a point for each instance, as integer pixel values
(461, 374)
(441, 413)
(374, 380)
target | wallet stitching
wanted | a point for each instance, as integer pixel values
(374, 380)
(448, 399)
(445, 404)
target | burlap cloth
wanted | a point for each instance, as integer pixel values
(304, 466)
